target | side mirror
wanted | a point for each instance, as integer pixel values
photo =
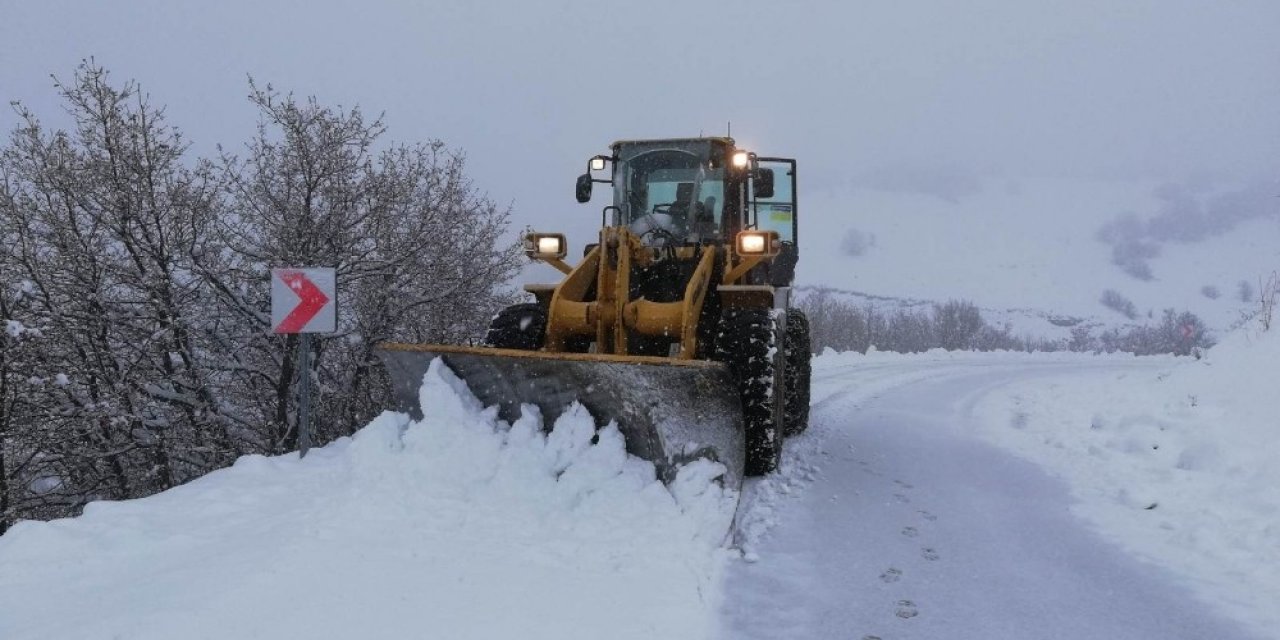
(763, 183)
(583, 190)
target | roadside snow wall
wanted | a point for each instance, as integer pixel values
(458, 526)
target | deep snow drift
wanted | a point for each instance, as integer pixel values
(453, 527)
(1178, 467)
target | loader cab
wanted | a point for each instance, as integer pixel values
(675, 191)
(687, 191)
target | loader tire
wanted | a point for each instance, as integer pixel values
(746, 344)
(799, 368)
(519, 326)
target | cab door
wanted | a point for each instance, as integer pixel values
(778, 213)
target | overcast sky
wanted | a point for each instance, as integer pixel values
(862, 93)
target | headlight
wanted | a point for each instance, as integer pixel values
(597, 163)
(758, 243)
(741, 159)
(750, 243)
(545, 246)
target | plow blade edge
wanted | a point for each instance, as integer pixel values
(669, 411)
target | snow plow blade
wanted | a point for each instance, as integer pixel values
(669, 411)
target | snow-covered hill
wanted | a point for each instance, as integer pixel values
(1031, 250)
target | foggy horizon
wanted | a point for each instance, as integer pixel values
(916, 97)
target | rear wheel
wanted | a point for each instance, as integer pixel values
(746, 344)
(519, 326)
(798, 353)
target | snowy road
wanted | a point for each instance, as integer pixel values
(894, 517)
(904, 525)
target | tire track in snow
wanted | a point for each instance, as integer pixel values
(913, 529)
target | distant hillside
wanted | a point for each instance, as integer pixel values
(1041, 255)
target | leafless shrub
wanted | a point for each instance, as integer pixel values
(1177, 333)
(954, 325)
(1270, 288)
(1244, 291)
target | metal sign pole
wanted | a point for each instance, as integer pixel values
(304, 401)
(304, 301)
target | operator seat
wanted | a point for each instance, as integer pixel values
(703, 225)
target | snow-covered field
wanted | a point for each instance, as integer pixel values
(460, 527)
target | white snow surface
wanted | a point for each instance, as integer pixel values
(997, 495)
(14, 328)
(1178, 466)
(457, 526)
(896, 517)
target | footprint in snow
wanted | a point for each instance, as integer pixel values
(891, 575)
(910, 532)
(906, 609)
(901, 498)
(929, 553)
(927, 516)
(904, 485)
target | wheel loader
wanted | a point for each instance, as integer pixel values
(676, 324)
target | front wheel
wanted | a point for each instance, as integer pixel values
(519, 326)
(798, 353)
(746, 344)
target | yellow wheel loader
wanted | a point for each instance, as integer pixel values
(676, 325)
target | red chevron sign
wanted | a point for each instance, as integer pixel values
(302, 300)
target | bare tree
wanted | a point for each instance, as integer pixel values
(416, 247)
(136, 350)
(957, 324)
(104, 218)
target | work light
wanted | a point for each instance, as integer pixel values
(545, 246)
(758, 243)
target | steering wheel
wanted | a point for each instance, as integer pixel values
(668, 239)
(657, 230)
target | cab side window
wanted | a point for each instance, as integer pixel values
(778, 213)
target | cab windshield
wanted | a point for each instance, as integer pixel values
(671, 191)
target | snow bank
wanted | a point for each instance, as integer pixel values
(458, 526)
(1179, 466)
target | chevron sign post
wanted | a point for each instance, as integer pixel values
(304, 301)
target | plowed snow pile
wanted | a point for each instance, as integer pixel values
(454, 527)
(1181, 468)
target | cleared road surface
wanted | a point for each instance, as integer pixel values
(913, 528)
